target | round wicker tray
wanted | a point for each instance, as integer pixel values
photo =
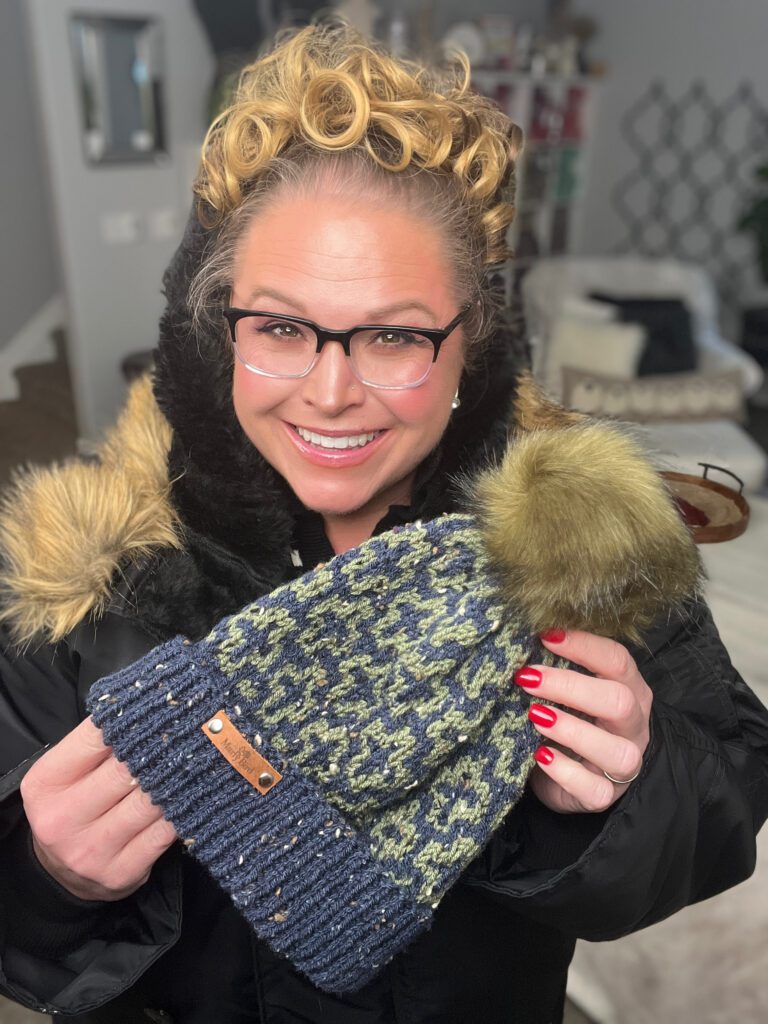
(725, 511)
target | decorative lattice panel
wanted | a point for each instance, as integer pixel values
(693, 177)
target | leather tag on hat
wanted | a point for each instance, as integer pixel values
(236, 749)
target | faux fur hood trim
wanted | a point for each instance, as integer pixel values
(575, 516)
(66, 531)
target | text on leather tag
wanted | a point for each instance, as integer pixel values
(236, 749)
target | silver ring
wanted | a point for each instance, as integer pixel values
(623, 782)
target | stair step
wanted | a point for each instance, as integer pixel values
(40, 426)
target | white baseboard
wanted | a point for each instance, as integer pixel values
(33, 344)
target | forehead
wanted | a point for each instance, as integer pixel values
(341, 253)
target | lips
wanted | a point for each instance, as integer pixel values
(337, 449)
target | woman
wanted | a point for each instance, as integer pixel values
(341, 189)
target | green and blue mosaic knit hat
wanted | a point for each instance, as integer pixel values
(339, 751)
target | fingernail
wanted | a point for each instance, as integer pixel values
(530, 677)
(544, 755)
(540, 715)
(553, 636)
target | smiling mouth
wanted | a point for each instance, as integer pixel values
(339, 442)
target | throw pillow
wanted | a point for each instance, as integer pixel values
(601, 347)
(678, 396)
(670, 346)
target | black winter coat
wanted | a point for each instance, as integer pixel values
(102, 562)
(502, 939)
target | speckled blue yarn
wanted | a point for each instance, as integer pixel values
(379, 686)
(332, 883)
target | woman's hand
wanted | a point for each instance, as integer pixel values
(611, 740)
(93, 829)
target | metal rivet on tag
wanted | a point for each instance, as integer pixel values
(236, 749)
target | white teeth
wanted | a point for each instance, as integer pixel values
(348, 441)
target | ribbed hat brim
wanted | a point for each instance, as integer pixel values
(302, 876)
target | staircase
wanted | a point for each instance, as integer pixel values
(40, 425)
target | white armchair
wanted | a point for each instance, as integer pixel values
(551, 282)
(555, 287)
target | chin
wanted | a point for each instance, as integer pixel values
(329, 504)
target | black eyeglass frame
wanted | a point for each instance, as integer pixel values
(433, 334)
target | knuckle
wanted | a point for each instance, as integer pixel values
(116, 880)
(28, 791)
(159, 836)
(569, 683)
(620, 661)
(118, 772)
(623, 703)
(599, 795)
(47, 825)
(80, 861)
(34, 785)
(138, 809)
(626, 760)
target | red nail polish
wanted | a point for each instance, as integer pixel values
(530, 677)
(553, 636)
(540, 715)
(544, 755)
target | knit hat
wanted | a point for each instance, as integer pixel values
(338, 752)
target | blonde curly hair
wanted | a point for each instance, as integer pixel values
(328, 101)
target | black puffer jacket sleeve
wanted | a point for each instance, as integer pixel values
(684, 831)
(59, 953)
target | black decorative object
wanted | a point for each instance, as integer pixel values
(754, 333)
(692, 179)
(755, 219)
(669, 346)
(237, 30)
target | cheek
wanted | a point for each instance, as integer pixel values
(253, 395)
(422, 412)
(429, 406)
(416, 410)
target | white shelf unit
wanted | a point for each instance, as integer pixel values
(556, 114)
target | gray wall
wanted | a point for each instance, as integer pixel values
(678, 41)
(29, 276)
(113, 290)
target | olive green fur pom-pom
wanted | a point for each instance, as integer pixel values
(583, 531)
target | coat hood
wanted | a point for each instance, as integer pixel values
(579, 523)
(66, 531)
(211, 455)
(197, 486)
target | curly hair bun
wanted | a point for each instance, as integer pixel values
(329, 88)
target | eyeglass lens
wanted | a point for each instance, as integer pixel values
(389, 357)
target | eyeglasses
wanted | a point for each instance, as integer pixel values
(382, 356)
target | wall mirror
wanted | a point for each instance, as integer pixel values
(120, 78)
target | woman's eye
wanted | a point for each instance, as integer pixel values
(282, 330)
(392, 338)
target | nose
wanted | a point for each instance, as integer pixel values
(331, 386)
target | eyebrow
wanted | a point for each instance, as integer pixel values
(376, 316)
